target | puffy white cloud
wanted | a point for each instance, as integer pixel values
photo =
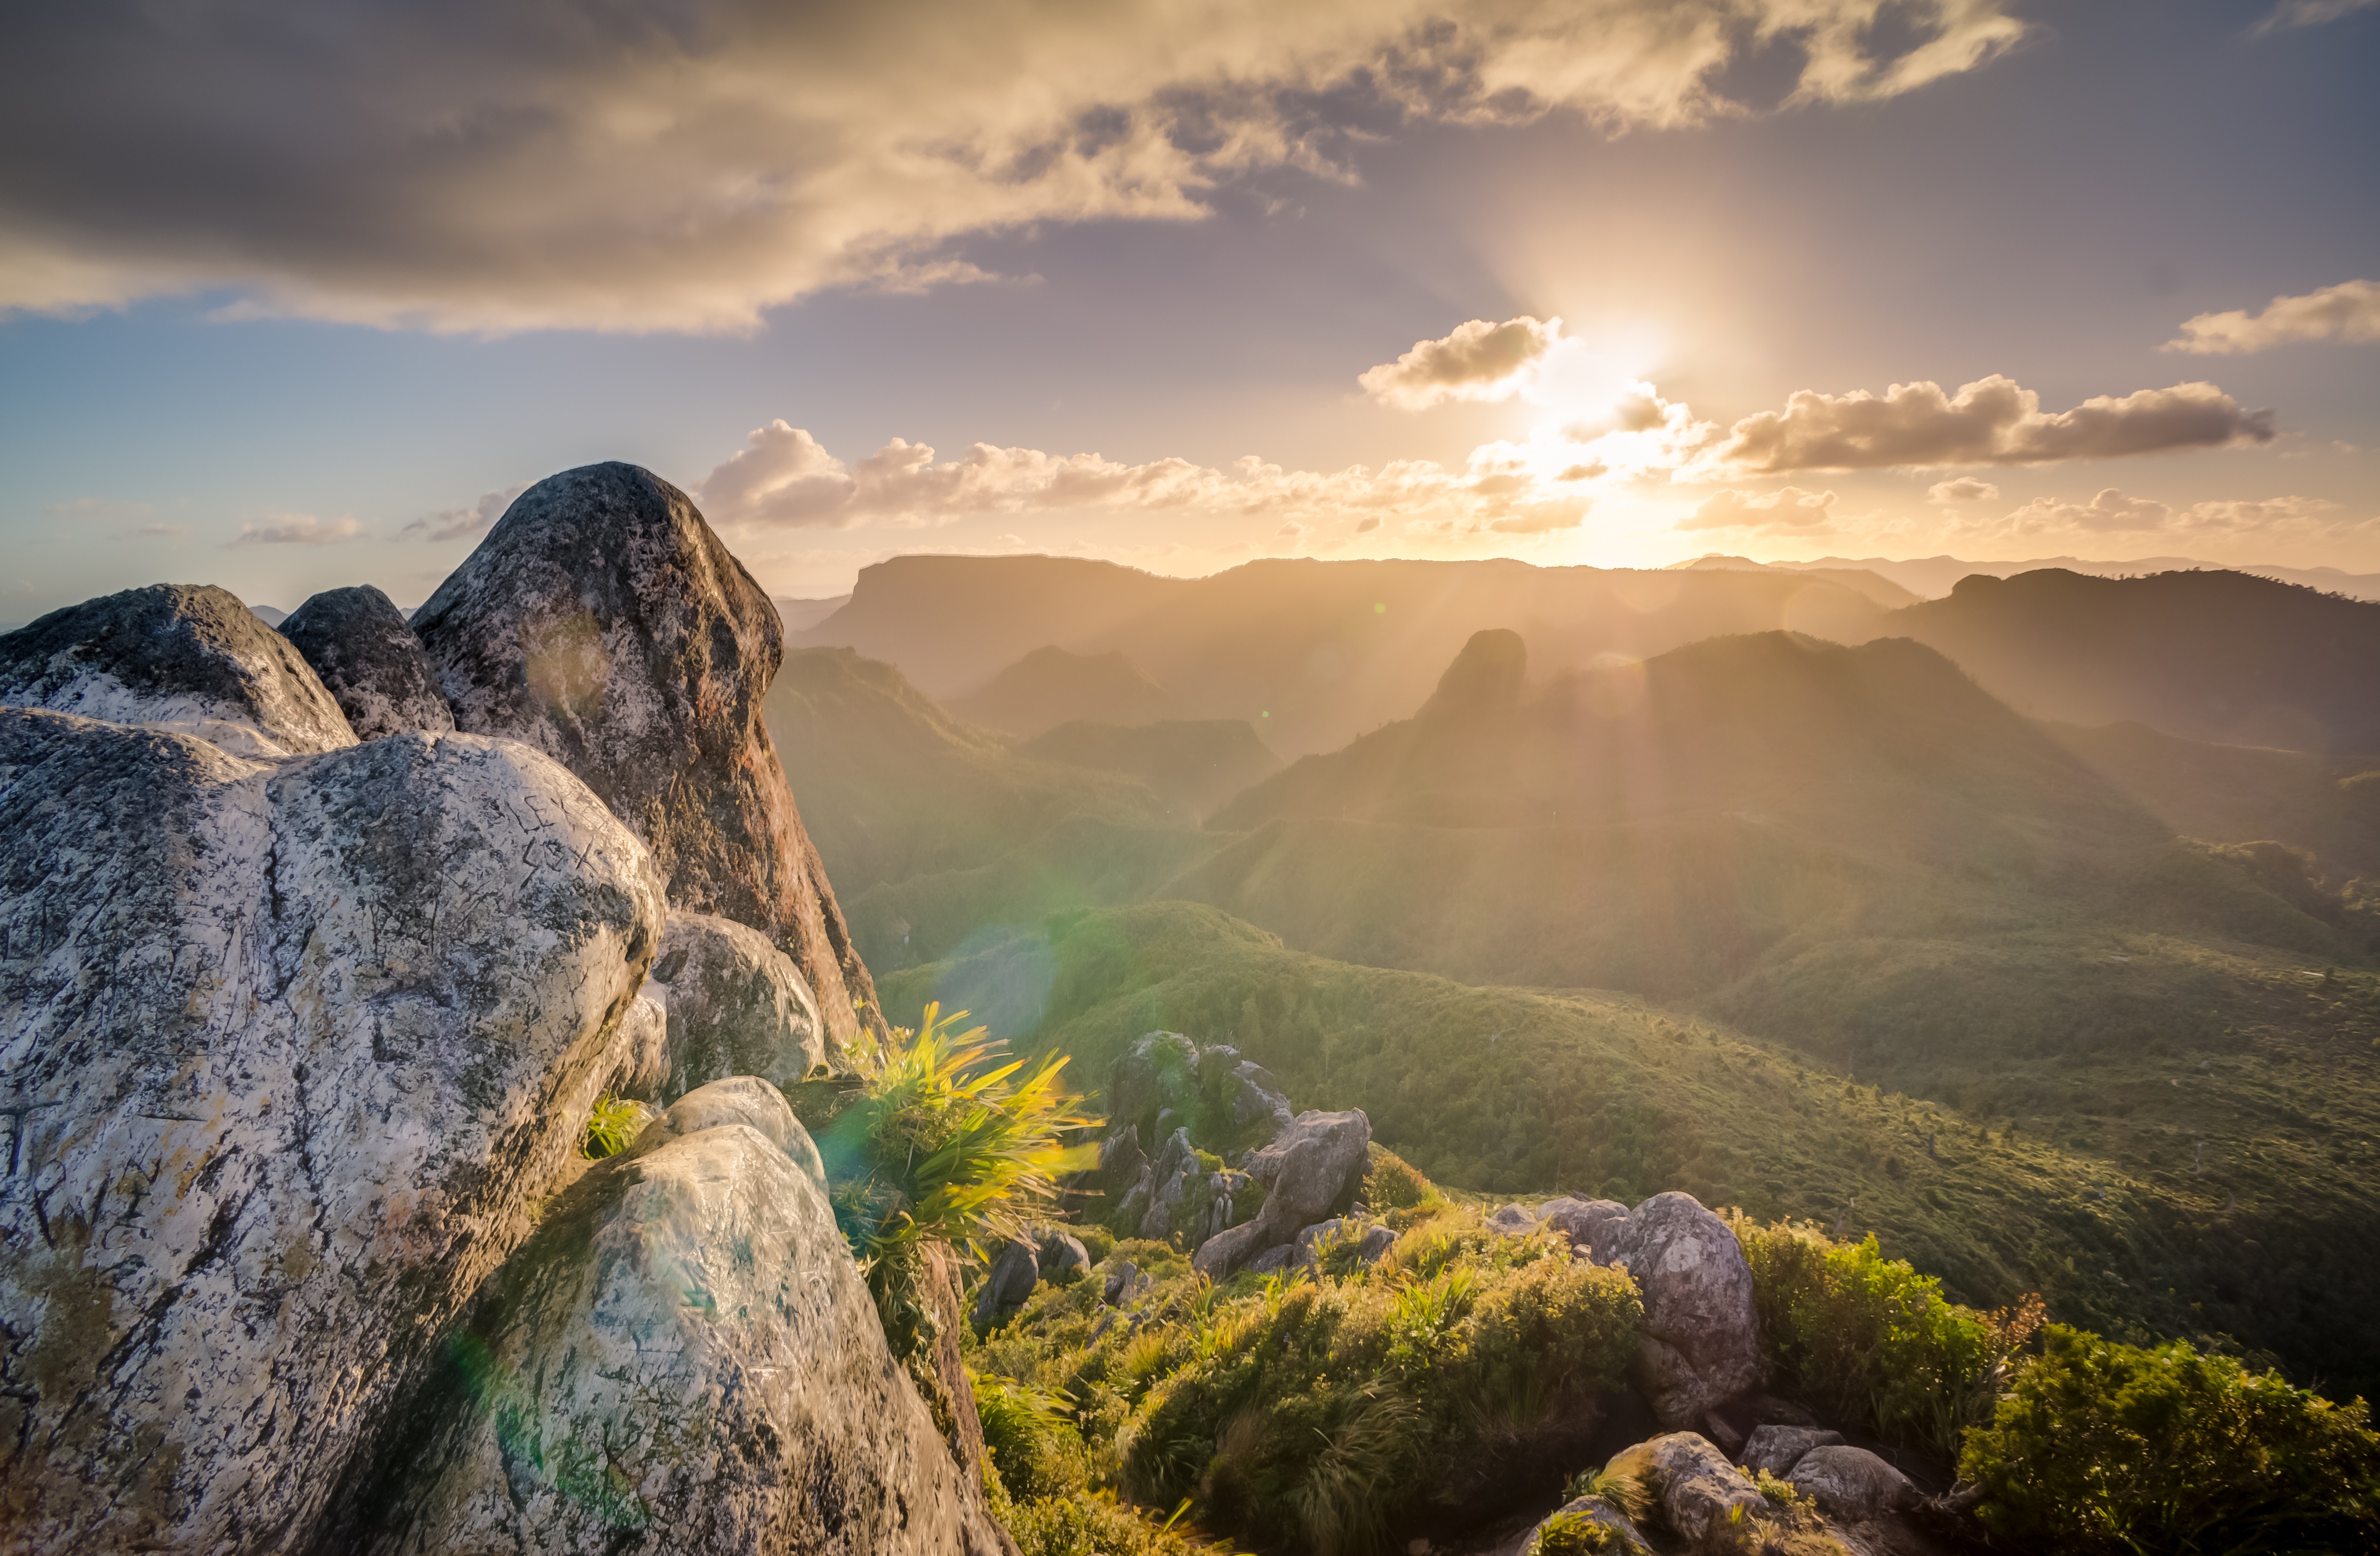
(1991, 421)
(298, 529)
(1477, 362)
(1787, 508)
(1965, 489)
(2349, 311)
(467, 522)
(456, 166)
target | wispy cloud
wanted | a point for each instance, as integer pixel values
(1789, 508)
(95, 507)
(463, 523)
(2291, 14)
(2349, 311)
(298, 529)
(454, 166)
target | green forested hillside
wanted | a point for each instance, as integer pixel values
(2088, 1188)
(1198, 763)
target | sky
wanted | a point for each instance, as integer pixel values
(294, 296)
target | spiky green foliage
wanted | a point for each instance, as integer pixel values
(1869, 1340)
(1574, 1534)
(615, 1123)
(2105, 1448)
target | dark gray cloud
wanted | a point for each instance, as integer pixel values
(459, 165)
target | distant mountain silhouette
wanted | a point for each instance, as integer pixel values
(930, 827)
(800, 616)
(1931, 578)
(2214, 656)
(1866, 581)
(1312, 654)
(1050, 686)
(1197, 763)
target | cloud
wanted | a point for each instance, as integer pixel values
(1477, 362)
(2349, 311)
(474, 519)
(1787, 508)
(1966, 489)
(1990, 421)
(298, 529)
(2111, 510)
(785, 478)
(459, 166)
(94, 508)
(164, 531)
(2291, 14)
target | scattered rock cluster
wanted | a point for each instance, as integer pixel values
(320, 945)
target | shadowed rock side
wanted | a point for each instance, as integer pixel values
(370, 660)
(683, 1359)
(603, 621)
(185, 656)
(292, 1052)
(737, 1005)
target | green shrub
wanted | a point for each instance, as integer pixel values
(2100, 1447)
(1097, 1524)
(615, 1124)
(1392, 1183)
(1868, 1338)
(1036, 1450)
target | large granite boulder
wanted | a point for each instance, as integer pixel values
(683, 1359)
(603, 623)
(369, 661)
(1852, 1483)
(185, 657)
(1311, 1169)
(291, 1053)
(737, 1005)
(1701, 1346)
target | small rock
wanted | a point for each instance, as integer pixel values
(1063, 1257)
(1123, 1278)
(1016, 1271)
(1378, 1241)
(1697, 1488)
(1852, 1483)
(1513, 1220)
(1776, 1450)
(369, 661)
(1594, 1225)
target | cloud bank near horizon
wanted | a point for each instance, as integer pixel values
(453, 166)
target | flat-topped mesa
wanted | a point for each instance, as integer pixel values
(370, 660)
(603, 621)
(185, 657)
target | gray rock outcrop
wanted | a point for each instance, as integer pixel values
(1776, 1450)
(1061, 1255)
(290, 1053)
(1852, 1483)
(1513, 1221)
(1592, 1225)
(737, 1006)
(603, 623)
(1311, 1169)
(1699, 1491)
(183, 657)
(1701, 1342)
(683, 1359)
(369, 661)
(1014, 1272)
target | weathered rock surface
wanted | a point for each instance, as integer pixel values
(369, 661)
(1624, 1538)
(1592, 1224)
(1851, 1482)
(1378, 1241)
(1701, 1346)
(1014, 1272)
(1061, 1255)
(1698, 1488)
(182, 657)
(1513, 1220)
(289, 1054)
(1312, 1168)
(737, 1005)
(1776, 1450)
(603, 623)
(745, 1100)
(683, 1359)
(640, 1058)
(1123, 1279)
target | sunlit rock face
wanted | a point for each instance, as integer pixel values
(1701, 1342)
(369, 661)
(603, 623)
(186, 657)
(683, 1359)
(290, 1053)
